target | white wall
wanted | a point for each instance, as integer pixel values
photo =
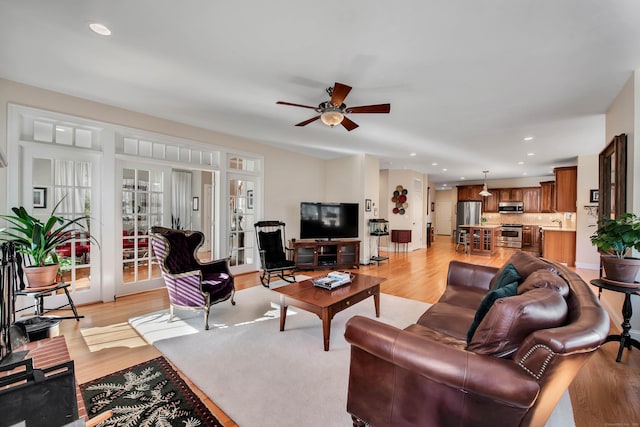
(415, 216)
(586, 254)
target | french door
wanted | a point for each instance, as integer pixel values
(144, 195)
(69, 181)
(243, 203)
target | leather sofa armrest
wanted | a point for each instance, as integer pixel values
(469, 275)
(500, 380)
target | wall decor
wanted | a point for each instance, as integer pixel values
(367, 205)
(39, 197)
(400, 200)
(594, 196)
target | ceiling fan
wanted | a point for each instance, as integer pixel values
(334, 111)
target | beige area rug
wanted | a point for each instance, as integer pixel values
(263, 377)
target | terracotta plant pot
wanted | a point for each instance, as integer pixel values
(620, 269)
(39, 277)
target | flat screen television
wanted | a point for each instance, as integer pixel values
(328, 220)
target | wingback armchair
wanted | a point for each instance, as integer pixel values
(191, 284)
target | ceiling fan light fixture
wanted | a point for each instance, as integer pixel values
(485, 191)
(331, 117)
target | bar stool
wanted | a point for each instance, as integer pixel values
(463, 239)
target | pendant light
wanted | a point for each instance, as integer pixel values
(485, 192)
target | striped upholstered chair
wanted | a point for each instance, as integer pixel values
(191, 284)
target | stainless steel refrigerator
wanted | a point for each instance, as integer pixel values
(468, 213)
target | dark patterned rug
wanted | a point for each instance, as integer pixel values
(149, 394)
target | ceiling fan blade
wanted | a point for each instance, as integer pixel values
(348, 124)
(379, 108)
(295, 105)
(340, 92)
(306, 122)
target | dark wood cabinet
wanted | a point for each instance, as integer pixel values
(531, 199)
(335, 254)
(490, 203)
(469, 193)
(566, 188)
(510, 194)
(531, 239)
(548, 196)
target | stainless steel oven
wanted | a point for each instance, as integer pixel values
(510, 236)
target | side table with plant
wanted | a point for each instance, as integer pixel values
(616, 238)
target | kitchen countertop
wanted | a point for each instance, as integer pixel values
(552, 228)
(480, 226)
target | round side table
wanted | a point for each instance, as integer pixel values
(625, 338)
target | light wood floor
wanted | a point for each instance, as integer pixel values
(605, 393)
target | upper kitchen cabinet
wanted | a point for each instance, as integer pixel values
(469, 193)
(548, 196)
(490, 203)
(531, 199)
(510, 195)
(566, 188)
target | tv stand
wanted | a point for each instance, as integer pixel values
(333, 254)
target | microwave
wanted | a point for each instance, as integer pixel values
(511, 207)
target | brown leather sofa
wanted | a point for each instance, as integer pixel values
(522, 357)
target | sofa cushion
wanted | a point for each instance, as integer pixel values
(487, 302)
(544, 279)
(507, 274)
(512, 319)
(449, 319)
(525, 263)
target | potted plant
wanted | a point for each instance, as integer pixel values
(39, 240)
(615, 238)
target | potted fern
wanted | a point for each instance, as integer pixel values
(38, 240)
(616, 238)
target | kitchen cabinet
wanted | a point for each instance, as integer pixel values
(469, 193)
(559, 245)
(484, 239)
(510, 194)
(548, 196)
(531, 239)
(531, 199)
(490, 203)
(566, 188)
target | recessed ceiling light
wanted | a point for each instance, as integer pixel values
(444, 170)
(528, 138)
(524, 173)
(462, 177)
(521, 163)
(434, 164)
(530, 154)
(101, 29)
(412, 154)
(444, 185)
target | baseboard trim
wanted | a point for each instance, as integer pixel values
(587, 266)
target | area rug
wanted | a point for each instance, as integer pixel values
(260, 376)
(149, 394)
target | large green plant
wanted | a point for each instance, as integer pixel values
(618, 235)
(39, 239)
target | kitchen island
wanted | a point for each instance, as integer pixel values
(483, 239)
(559, 244)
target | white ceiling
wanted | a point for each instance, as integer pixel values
(466, 79)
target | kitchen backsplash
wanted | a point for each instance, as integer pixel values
(542, 219)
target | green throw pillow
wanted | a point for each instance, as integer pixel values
(508, 275)
(507, 290)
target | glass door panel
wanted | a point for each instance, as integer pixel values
(242, 197)
(143, 205)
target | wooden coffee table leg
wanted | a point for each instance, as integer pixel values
(326, 328)
(376, 302)
(283, 313)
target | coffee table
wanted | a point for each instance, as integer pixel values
(326, 303)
